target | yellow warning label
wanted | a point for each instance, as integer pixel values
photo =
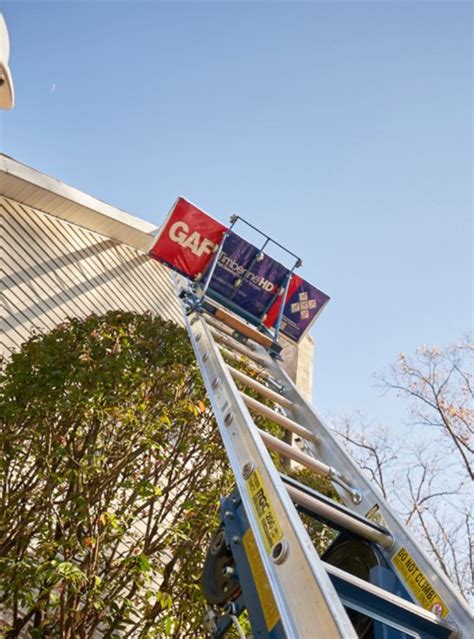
(267, 519)
(419, 584)
(265, 595)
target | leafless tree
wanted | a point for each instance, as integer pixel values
(439, 384)
(426, 474)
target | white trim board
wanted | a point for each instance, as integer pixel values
(33, 188)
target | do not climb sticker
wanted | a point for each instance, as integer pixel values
(419, 584)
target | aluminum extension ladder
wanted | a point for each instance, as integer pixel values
(309, 598)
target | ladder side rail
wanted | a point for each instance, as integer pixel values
(301, 576)
(330, 451)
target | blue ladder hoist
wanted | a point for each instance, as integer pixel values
(374, 581)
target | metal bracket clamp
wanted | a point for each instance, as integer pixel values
(337, 478)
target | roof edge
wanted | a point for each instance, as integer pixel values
(71, 204)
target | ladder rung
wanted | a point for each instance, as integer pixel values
(261, 369)
(260, 388)
(261, 372)
(238, 350)
(342, 519)
(309, 462)
(236, 346)
(295, 454)
(243, 328)
(290, 481)
(388, 608)
(286, 422)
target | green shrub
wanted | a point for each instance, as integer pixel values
(110, 475)
(111, 469)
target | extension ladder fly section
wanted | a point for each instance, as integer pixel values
(373, 581)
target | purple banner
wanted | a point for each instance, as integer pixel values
(247, 281)
(303, 304)
(254, 282)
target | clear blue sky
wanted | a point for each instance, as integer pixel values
(343, 129)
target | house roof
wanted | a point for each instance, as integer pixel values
(40, 191)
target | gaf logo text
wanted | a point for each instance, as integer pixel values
(179, 233)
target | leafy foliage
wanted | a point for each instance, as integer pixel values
(111, 469)
(111, 472)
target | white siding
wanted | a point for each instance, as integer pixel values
(52, 269)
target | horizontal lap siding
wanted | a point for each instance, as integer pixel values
(52, 269)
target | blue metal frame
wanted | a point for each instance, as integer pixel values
(390, 619)
(385, 612)
(236, 525)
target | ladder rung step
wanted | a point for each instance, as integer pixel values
(243, 328)
(250, 382)
(309, 462)
(334, 504)
(386, 607)
(286, 422)
(236, 346)
(254, 362)
(295, 454)
(342, 518)
(261, 372)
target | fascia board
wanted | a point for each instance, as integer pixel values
(68, 203)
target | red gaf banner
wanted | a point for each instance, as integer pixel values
(188, 239)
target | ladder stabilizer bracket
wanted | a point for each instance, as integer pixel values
(344, 483)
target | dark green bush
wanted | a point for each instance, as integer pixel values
(111, 469)
(110, 475)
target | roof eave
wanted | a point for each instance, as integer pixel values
(33, 188)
